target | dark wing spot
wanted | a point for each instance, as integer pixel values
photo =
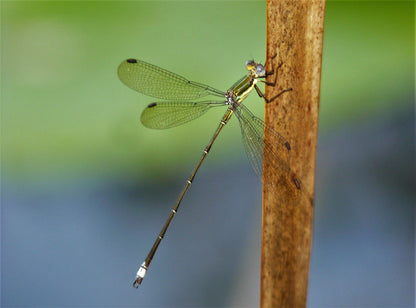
(151, 105)
(131, 61)
(295, 180)
(287, 144)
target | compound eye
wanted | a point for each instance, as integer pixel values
(260, 69)
(250, 64)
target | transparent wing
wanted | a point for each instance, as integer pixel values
(276, 155)
(157, 82)
(252, 130)
(163, 115)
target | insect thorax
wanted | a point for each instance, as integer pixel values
(231, 99)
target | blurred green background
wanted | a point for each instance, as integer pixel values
(86, 188)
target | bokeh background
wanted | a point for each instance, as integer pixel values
(85, 187)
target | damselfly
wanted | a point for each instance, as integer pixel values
(180, 108)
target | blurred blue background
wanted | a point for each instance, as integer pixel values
(85, 188)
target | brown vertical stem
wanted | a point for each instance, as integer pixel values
(295, 34)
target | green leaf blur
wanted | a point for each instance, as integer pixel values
(64, 111)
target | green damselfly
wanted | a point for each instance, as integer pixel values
(180, 107)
